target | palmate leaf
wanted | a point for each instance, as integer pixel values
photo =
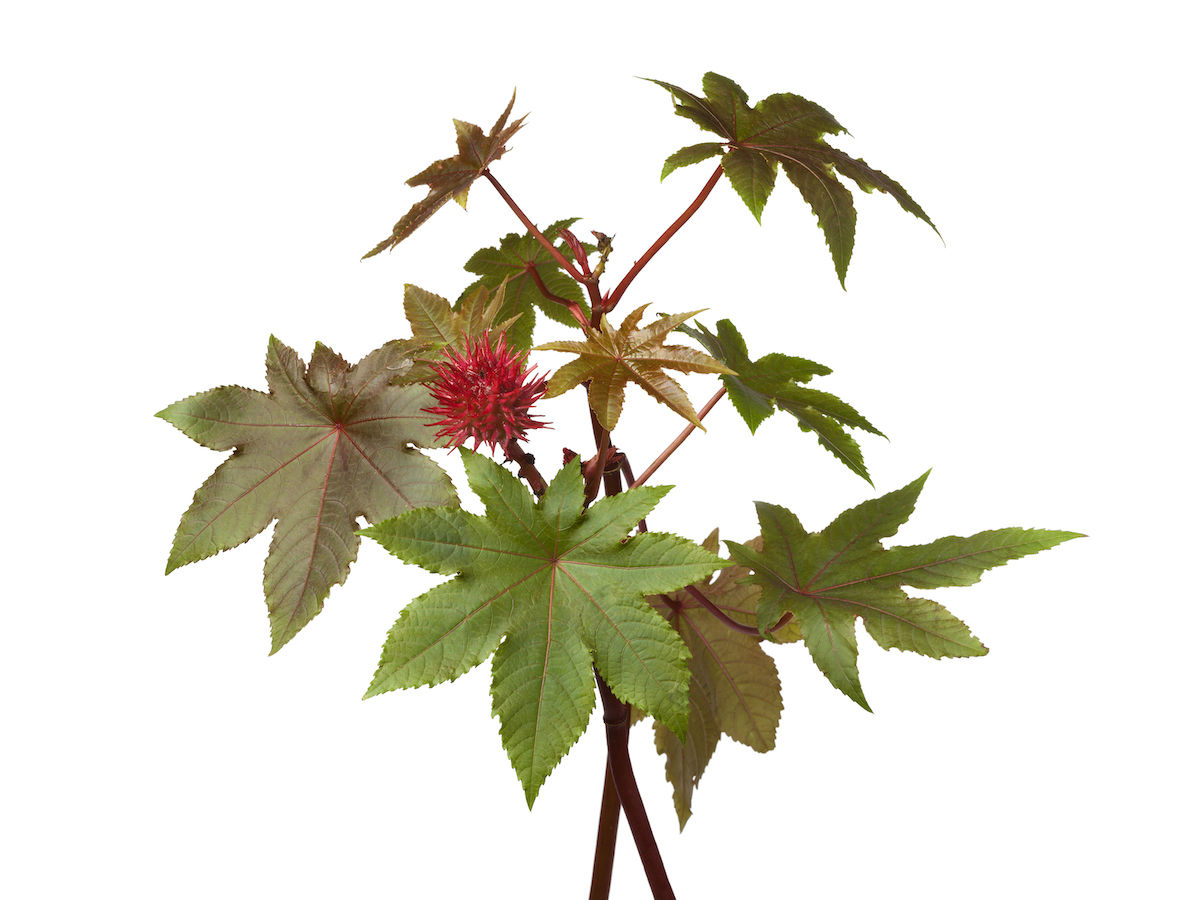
(513, 264)
(772, 381)
(734, 687)
(453, 177)
(611, 358)
(830, 578)
(331, 442)
(437, 326)
(552, 590)
(782, 130)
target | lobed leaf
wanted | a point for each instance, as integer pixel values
(734, 686)
(761, 386)
(453, 177)
(609, 359)
(551, 589)
(830, 578)
(331, 442)
(787, 130)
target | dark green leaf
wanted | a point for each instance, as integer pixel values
(773, 381)
(783, 129)
(689, 156)
(752, 176)
(829, 578)
(513, 264)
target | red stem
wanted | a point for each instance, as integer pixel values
(541, 238)
(730, 623)
(616, 722)
(674, 445)
(666, 236)
(606, 838)
(571, 305)
(526, 469)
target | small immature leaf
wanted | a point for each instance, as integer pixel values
(830, 578)
(331, 442)
(772, 381)
(551, 589)
(453, 177)
(734, 687)
(513, 264)
(611, 358)
(787, 130)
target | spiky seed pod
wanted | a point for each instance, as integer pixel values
(485, 394)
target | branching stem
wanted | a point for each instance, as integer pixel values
(616, 724)
(724, 618)
(666, 236)
(571, 305)
(606, 838)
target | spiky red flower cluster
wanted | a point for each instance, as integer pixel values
(483, 394)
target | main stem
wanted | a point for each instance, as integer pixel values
(616, 724)
(606, 838)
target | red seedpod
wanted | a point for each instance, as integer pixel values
(485, 394)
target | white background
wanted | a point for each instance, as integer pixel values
(181, 181)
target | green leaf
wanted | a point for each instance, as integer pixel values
(690, 156)
(787, 130)
(436, 325)
(453, 177)
(830, 578)
(551, 589)
(717, 113)
(734, 686)
(514, 263)
(774, 381)
(752, 176)
(331, 442)
(611, 358)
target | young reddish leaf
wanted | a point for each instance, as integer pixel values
(787, 130)
(453, 177)
(515, 263)
(611, 358)
(830, 578)
(734, 687)
(329, 443)
(771, 381)
(552, 589)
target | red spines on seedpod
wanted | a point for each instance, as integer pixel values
(485, 394)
